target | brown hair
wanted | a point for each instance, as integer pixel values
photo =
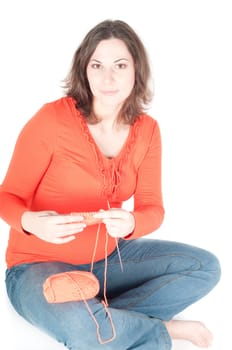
(76, 83)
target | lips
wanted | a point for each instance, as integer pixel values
(109, 92)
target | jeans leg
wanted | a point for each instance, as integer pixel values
(160, 278)
(71, 323)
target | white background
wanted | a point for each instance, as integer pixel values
(190, 48)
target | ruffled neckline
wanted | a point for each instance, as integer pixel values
(110, 168)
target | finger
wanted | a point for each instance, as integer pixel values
(113, 222)
(47, 213)
(67, 231)
(113, 232)
(61, 240)
(75, 216)
(66, 219)
(112, 226)
(118, 213)
(113, 214)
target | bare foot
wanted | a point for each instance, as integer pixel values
(193, 331)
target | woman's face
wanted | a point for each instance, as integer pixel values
(111, 73)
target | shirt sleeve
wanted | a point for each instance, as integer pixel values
(31, 157)
(148, 202)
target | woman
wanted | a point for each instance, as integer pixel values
(74, 164)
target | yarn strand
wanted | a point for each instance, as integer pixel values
(104, 301)
(116, 241)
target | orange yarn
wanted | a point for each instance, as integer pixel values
(82, 285)
(70, 286)
(76, 286)
(89, 219)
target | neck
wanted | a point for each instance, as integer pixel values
(107, 124)
(107, 114)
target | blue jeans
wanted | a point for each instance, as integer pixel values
(159, 280)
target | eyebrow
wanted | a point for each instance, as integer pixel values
(116, 61)
(121, 59)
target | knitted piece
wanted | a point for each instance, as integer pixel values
(89, 219)
(70, 286)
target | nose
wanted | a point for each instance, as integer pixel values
(108, 75)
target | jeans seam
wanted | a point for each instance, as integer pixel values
(139, 300)
(154, 258)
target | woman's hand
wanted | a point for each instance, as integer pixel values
(51, 226)
(119, 222)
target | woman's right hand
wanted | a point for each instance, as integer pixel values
(51, 226)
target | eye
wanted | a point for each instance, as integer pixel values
(120, 66)
(96, 66)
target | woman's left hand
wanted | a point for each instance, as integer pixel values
(119, 222)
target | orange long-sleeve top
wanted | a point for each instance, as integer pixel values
(56, 165)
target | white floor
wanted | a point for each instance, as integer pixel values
(214, 310)
(189, 46)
